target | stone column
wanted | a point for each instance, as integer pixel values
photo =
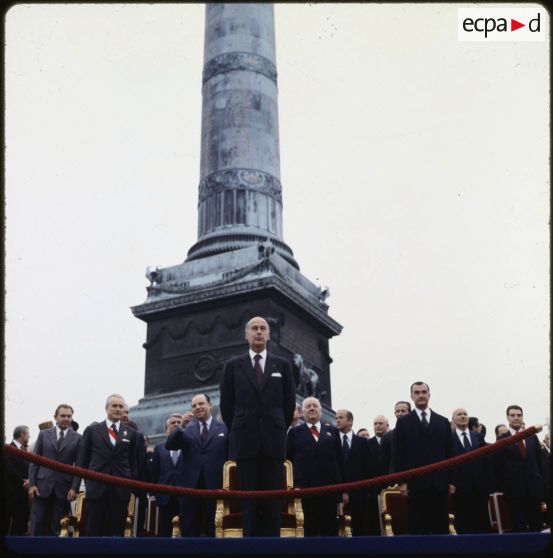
(240, 194)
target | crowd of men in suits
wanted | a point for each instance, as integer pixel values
(262, 426)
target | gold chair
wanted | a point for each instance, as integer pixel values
(228, 513)
(75, 525)
(344, 521)
(393, 513)
(175, 532)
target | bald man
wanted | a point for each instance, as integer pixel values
(473, 481)
(258, 397)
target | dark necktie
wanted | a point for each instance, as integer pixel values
(466, 443)
(60, 439)
(424, 421)
(522, 449)
(257, 369)
(314, 431)
(345, 446)
(204, 433)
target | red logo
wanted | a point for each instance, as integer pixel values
(516, 24)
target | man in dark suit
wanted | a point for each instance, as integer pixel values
(167, 468)
(203, 446)
(472, 481)
(315, 450)
(358, 465)
(140, 495)
(519, 476)
(258, 396)
(109, 447)
(51, 491)
(401, 408)
(423, 437)
(380, 453)
(16, 483)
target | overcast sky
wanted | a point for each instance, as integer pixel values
(415, 186)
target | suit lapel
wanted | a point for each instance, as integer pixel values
(52, 438)
(311, 437)
(270, 367)
(212, 432)
(431, 421)
(246, 365)
(196, 434)
(105, 434)
(324, 434)
(459, 449)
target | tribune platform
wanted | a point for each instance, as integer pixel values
(505, 545)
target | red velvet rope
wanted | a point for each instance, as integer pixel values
(270, 494)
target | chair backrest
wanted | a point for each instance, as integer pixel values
(502, 513)
(80, 513)
(393, 511)
(291, 508)
(231, 482)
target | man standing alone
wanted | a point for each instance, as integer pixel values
(257, 405)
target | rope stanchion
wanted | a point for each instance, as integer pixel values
(276, 494)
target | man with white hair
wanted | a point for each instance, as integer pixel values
(258, 395)
(112, 448)
(473, 480)
(315, 450)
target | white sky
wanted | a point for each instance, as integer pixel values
(415, 184)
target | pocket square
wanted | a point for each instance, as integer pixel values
(221, 433)
(329, 433)
(125, 440)
(276, 375)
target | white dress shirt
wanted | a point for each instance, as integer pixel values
(461, 438)
(116, 422)
(58, 430)
(263, 359)
(349, 436)
(317, 425)
(419, 413)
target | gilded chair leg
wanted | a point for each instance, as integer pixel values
(176, 532)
